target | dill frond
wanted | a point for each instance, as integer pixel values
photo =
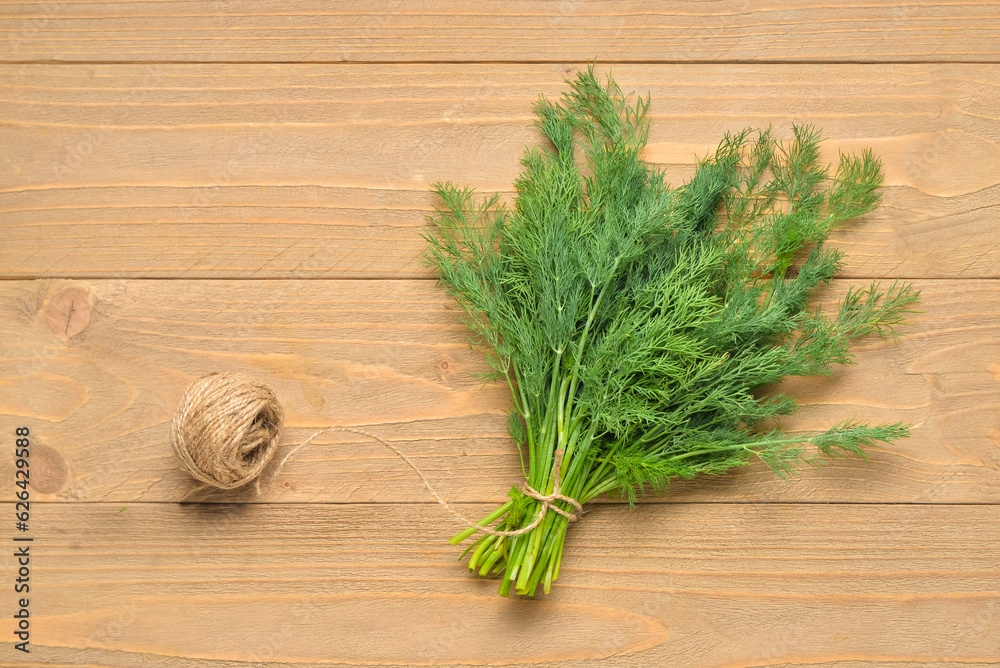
(636, 323)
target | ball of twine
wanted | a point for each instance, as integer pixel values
(225, 431)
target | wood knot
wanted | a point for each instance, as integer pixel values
(67, 312)
(444, 369)
(49, 471)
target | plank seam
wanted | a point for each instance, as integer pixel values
(604, 504)
(118, 276)
(728, 61)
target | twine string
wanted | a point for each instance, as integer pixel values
(547, 501)
(226, 431)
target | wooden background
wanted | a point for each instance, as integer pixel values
(201, 185)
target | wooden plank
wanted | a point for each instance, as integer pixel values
(97, 368)
(718, 585)
(436, 30)
(324, 172)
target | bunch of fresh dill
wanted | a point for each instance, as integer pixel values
(634, 322)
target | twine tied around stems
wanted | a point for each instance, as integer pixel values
(225, 433)
(547, 501)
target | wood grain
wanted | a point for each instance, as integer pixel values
(265, 171)
(719, 585)
(156, 155)
(97, 368)
(436, 30)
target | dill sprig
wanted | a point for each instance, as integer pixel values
(635, 323)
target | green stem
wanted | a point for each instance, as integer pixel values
(502, 510)
(484, 545)
(736, 446)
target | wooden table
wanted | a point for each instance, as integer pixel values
(240, 186)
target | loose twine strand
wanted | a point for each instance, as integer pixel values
(225, 432)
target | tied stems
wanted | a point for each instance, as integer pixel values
(533, 558)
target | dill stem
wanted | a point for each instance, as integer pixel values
(557, 558)
(502, 510)
(586, 329)
(528, 558)
(514, 565)
(484, 544)
(494, 555)
(736, 446)
(543, 451)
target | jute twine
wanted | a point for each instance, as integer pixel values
(225, 433)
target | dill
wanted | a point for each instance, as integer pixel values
(635, 323)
